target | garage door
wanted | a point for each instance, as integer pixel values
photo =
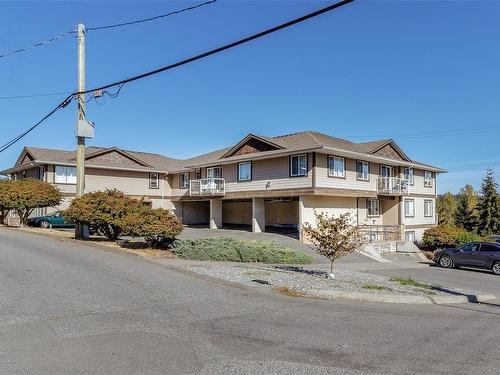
(282, 213)
(237, 212)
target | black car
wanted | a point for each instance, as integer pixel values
(484, 255)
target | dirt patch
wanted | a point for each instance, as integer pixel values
(290, 292)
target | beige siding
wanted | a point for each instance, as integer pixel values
(350, 181)
(330, 205)
(363, 218)
(419, 218)
(269, 174)
(390, 211)
(418, 185)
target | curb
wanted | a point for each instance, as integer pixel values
(404, 299)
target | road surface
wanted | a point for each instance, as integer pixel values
(68, 308)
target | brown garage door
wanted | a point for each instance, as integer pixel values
(237, 212)
(281, 213)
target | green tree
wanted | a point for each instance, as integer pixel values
(23, 196)
(103, 210)
(489, 221)
(334, 237)
(467, 216)
(446, 209)
(5, 186)
(159, 227)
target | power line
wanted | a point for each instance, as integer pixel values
(150, 18)
(62, 104)
(223, 48)
(439, 133)
(121, 83)
(73, 33)
(57, 37)
(35, 95)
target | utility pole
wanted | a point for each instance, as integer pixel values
(80, 231)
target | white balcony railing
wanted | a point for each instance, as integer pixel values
(392, 186)
(207, 186)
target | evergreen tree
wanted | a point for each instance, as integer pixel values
(446, 209)
(489, 221)
(467, 216)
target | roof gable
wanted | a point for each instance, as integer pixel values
(390, 150)
(116, 157)
(25, 157)
(250, 145)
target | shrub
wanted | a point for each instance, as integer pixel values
(448, 236)
(104, 211)
(5, 186)
(23, 196)
(334, 237)
(236, 250)
(159, 227)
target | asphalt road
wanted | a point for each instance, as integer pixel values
(67, 308)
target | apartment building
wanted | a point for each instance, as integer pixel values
(262, 182)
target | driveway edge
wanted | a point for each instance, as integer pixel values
(404, 299)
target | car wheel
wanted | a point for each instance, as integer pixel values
(445, 261)
(496, 268)
(44, 224)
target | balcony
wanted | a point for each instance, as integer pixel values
(207, 187)
(392, 186)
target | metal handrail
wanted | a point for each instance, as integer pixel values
(207, 186)
(392, 185)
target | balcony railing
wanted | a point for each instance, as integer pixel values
(382, 232)
(392, 186)
(207, 186)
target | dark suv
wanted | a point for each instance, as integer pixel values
(473, 254)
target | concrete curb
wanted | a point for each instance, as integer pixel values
(404, 299)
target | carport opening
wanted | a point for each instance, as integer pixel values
(237, 214)
(282, 216)
(196, 213)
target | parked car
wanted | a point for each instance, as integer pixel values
(55, 219)
(494, 238)
(473, 254)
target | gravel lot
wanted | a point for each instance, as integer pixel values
(308, 278)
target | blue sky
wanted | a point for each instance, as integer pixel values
(372, 69)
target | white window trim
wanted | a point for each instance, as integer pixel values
(431, 205)
(411, 180)
(299, 174)
(184, 184)
(413, 205)
(214, 168)
(412, 232)
(249, 163)
(63, 178)
(368, 207)
(331, 173)
(428, 184)
(367, 170)
(152, 180)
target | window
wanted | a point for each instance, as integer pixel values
(408, 175)
(385, 171)
(410, 236)
(298, 165)
(153, 181)
(362, 170)
(409, 207)
(198, 173)
(428, 208)
(41, 173)
(336, 166)
(245, 171)
(214, 172)
(428, 179)
(470, 248)
(490, 248)
(373, 206)
(184, 180)
(65, 175)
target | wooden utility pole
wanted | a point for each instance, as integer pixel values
(80, 231)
